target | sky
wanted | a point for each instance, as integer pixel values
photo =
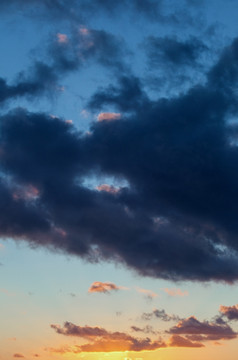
(118, 179)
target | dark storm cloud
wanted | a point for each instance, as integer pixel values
(176, 219)
(66, 54)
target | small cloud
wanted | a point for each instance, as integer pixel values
(85, 114)
(108, 188)
(18, 355)
(149, 293)
(175, 292)
(106, 287)
(108, 116)
(52, 116)
(62, 38)
(69, 121)
(84, 31)
(1, 246)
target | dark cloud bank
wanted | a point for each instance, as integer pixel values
(177, 219)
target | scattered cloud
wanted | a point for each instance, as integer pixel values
(106, 287)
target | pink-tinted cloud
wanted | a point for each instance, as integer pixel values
(231, 312)
(60, 231)
(149, 293)
(106, 287)
(69, 122)
(62, 38)
(175, 292)
(28, 192)
(180, 341)
(84, 31)
(108, 188)
(102, 340)
(108, 116)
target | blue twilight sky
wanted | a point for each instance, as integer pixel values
(118, 179)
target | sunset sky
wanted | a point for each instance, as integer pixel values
(119, 179)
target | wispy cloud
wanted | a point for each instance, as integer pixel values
(175, 292)
(148, 293)
(160, 314)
